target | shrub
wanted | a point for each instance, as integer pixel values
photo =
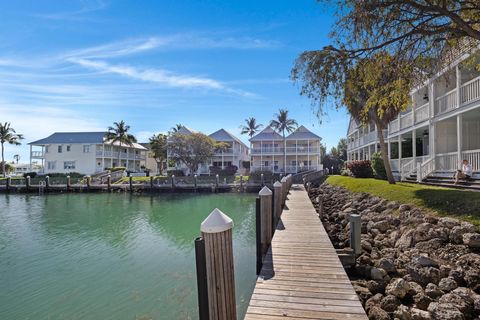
(246, 164)
(345, 172)
(227, 171)
(176, 173)
(118, 169)
(30, 174)
(215, 170)
(360, 168)
(378, 166)
(268, 176)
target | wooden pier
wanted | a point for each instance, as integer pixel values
(302, 276)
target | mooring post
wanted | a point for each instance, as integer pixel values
(266, 217)
(27, 182)
(130, 183)
(224, 181)
(173, 181)
(216, 180)
(217, 233)
(68, 183)
(195, 181)
(47, 182)
(261, 179)
(109, 183)
(258, 235)
(9, 182)
(284, 190)
(356, 233)
(88, 182)
(241, 183)
(202, 284)
(277, 200)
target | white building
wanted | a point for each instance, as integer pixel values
(84, 152)
(302, 151)
(235, 155)
(438, 131)
(22, 168)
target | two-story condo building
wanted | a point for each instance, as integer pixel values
(302, 151)
(438, 131)
(235, 154)
(84, 152)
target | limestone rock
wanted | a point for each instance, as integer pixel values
(447, 284)
(398, 288)
(472, 240)
(390, 303)
(376, 313)
(445, 311)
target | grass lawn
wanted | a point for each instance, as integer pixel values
(460, 204)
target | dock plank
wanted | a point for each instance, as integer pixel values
(302, 276)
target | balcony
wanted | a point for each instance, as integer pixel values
(470, 91)
(422, 113)
(446, 102)
(225, 152)
(123, 155)
(289, 150)
(406, 120)
(289, 169)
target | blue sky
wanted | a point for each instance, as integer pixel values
(79, 65)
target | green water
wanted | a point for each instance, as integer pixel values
(113, 256)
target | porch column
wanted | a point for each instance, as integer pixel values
(273, 155)
(308, 155)
(459, 137)
(459, 85)
(103, 156)
(31, 158)
(296, 156)
(431, 100)
(223, 166)
(261, 155)
(414, 147)
(432, 140)
(399, 152)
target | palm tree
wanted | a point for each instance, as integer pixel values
(251, 127)
(119, 133)
(281, 124)
(8, 135)
(17, 158)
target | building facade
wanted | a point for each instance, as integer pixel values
(299, 152)
(438, 130)
(84, 152)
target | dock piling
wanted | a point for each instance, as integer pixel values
(356, 233)
(173, 181)
(68, 183)
(277, 200)
(130, 183)
(151, 182)
(216, 181)
(216, 231)
(202, 284)
(284, 190)
(195, 181)
(89, 182)
(262, 180)
(9, 182)
(47, 182)
(27, 182)
(258, 236)
(266, 218)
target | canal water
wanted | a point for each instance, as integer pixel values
(113, 256)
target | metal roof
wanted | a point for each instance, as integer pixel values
(303, 133)
(78, 137)
(224, 136)
(267, 134)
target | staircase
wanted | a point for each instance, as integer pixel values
(446, 180)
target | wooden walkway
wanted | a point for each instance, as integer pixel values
(302, 276)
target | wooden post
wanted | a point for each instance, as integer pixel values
(258, 237)
(68, 183)
(277, 201)
(224, 181)
(261, 179)
(27, 182)
(109, 183)
(9, 182)
(202, 284)
(241, 182)
(195, 181)
(130, 183)
(173, 181)
(88, 182)
(216, 181)
(47, 182)
(217, 233)
(151, 182)
(284, 190)
(266, 218)
(356, 233)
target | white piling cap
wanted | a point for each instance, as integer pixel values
(265, 192)
(216, 222)
(284, 179)
(277, 184)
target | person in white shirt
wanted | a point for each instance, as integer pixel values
(465, 173)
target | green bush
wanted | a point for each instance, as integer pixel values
(345, 172)
(378, 166)
(360, 168)
(118, 169)
(30, 174)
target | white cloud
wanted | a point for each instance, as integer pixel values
(86, 6)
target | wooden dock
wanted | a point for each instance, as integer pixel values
(302, 276)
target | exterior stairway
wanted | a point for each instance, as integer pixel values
(447, 181)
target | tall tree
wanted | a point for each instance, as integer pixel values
(193, 149)
(158, 146)
(283, 123)
(342, 149)
(250, 127)
(10, 136)
(119, 133)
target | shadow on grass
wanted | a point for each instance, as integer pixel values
(461, 204)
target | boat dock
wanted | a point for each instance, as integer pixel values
(302, 276)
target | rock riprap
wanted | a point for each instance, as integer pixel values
(412, 265)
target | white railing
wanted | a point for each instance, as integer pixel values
(37, 154)
(394, 164)
(422, 113)
(408, 167)
(279, 168)
(446, 102)
(446, 161)
(395, 125)
(425, 168)
(406, 120)
(473, 157)
(470, 91)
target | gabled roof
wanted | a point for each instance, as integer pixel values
(78, 137)
(185, 130)
(352, 125)
(267, 134)
(225, 136)
(303, 133)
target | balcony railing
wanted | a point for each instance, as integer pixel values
(289, 150)
(473, 157)
(37, 154)
(289, 169)
(406, 120)
(446, 103)
(446, 161)
(123, 155)
(394, 126)
(422, 113)
(470, 91)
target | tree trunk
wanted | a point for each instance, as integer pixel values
(3, 162)
(386, 160)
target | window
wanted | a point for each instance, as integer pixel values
(86, 148)
(51, 165)
(59, 149)
(69, 165)
(265, 163)
(294, 163)
(68, 148)
(46, 149)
